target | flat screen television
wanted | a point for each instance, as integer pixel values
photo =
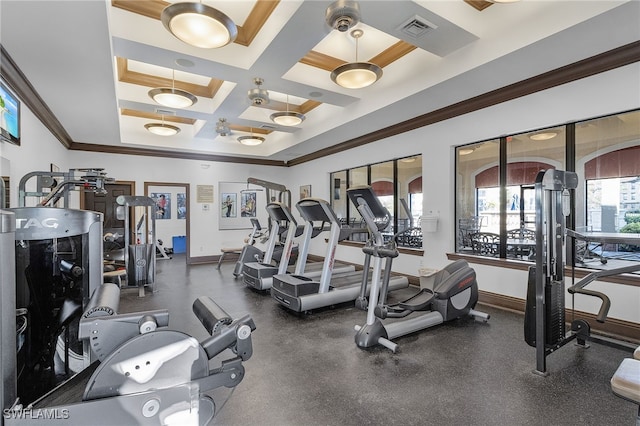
(9, 116)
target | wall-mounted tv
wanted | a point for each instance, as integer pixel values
(9, 116)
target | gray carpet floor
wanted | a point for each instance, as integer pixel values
(307, 370)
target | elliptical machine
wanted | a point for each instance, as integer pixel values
(454, 295)
(249, 253)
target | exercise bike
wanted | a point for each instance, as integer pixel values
(454, 294)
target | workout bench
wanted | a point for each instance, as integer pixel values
(625, 383)
(227, 251)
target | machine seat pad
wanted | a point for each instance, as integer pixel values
(418, 302)
(626, 380)
(231, 250)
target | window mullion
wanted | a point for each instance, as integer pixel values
(502, 170)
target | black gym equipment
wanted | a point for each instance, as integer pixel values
(454, 294)
(58, 264)
(141, 373)
(544, 322)
(301, 293)
(52, 187)
(139, 241)
(258, 274)
(249, 252)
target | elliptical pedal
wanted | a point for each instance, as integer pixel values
(419, 301)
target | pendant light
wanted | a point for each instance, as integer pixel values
(287, 118)
(172, 97)
(199, 25)
(162, 129)
(356, 75)
(252, 140)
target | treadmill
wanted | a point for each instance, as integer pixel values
(301, 293)
(259, 275)
(254, 272)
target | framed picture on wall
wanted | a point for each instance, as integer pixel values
(237, 204)
(248, 204)
(228, 205)
(305, 191)
(163, 204)
(182, 205)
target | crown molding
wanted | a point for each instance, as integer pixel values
(27, 94)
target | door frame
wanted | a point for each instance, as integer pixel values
(186, 187)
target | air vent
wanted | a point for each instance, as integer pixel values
(165, 112)
(267, 127)
(416, 27)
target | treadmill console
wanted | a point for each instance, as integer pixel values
(365, 192)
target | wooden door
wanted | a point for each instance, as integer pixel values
(106, 204)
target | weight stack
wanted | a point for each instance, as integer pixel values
(554, 315)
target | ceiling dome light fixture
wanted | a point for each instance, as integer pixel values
(162, 129)
(172, 97)
(544, 136)
(356, 75)
(466, 151)
(199, 25)
(252, 140)
(287, 118)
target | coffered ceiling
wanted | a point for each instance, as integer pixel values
(93, 63)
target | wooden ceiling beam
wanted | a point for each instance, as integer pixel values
(258, 16)
(322, 61)
(125, 75)
(256, 19)
(392, 54)
(384, 58)
(479, 4)
(156, 116)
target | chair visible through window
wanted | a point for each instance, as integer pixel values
(467, 227)
(485, 243)
(521, 243)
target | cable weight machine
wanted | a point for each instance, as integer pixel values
(545, 323)
(53, 186)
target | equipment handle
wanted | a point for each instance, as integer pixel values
(210, 314)
(606, 303)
